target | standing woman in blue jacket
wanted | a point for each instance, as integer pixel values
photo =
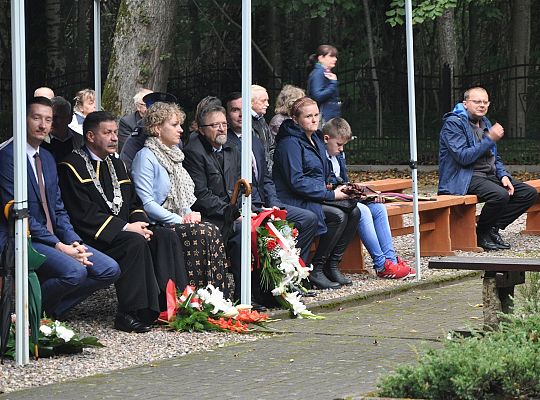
(300, 175)
(323, 85)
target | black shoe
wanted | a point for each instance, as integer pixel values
(258, 307)
(127, 323)
(319, 280)
(335, 275)
(484, 241)
(497, 239)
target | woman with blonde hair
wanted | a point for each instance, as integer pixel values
(85, 103)
(167, 194)
(288, 95)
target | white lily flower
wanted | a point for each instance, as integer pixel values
(64, 333)
(214, 296)
(294, 300)
(46, 330)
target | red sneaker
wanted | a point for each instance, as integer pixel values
(412, 271)
(394, 271)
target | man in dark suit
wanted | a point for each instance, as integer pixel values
(61, 139)
(264, 192)
(72, 271)
(214, 166)
(259, 105)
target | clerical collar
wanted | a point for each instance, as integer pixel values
(65, 139)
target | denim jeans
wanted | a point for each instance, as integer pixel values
(374, 230)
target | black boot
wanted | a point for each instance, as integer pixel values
(483, 238)
(319, 280)
(497, 239)
(333, 273)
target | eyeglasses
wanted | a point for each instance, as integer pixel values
(216, 125)
(478, 102)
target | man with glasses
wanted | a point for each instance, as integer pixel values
(469, 164)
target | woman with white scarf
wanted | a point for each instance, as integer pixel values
(167, 193)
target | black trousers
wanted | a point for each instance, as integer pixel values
(500, 209)
(341, 228)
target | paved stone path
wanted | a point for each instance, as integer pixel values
(340, 356)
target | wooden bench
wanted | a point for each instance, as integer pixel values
(532, 223)
(499, 279)
(441, 231)
(353, 259)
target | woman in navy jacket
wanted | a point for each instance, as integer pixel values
(300, 175)
(323, 85)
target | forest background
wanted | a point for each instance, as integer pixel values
(192, 48)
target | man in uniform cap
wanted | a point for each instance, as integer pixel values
(136, 141)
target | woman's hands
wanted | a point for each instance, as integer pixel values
(339, 194)
(192, 218)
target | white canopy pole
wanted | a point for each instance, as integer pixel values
(245, 297)
(18, 67)
(97, 54)
(412, 132)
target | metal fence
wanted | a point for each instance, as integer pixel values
(435, 95)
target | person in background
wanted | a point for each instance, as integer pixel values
(470, 164)
(167, 193)
(85, 103)
(138, 137)
(61, 141)
(259, 105)
(300, 175)
(373, 227)
(323, 85)
(44, 92)
(129, 123)
(288, 95)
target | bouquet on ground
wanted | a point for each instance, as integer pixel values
(282, 269)
(207, 309)
(55, 338)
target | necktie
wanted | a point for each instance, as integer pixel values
(42, 194)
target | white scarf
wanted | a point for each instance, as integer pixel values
(181, 194)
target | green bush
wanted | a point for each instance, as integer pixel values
(497, 365)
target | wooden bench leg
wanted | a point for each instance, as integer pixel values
(435, 233)
(353, 259)
(532, 223)
(463, 228)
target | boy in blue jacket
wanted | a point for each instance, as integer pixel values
(469, 164)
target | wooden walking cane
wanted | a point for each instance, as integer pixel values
(247, 190)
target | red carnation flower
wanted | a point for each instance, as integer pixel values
(271, 245)
(295, 233)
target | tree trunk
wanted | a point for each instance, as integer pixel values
(141, 51)
(446, 33)
(520, 51)
(56, 60)
(376, 90)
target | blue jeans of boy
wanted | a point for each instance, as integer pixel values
(374, 230)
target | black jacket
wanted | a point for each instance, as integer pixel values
(263, 132)
(213, 185)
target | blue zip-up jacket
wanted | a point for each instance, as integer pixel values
(301, 170)
(325, 92)
(459, 150)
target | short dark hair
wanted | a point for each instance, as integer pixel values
(61, 104)
(92, 121)
(37, 100)
(208, 101)
(231, 97)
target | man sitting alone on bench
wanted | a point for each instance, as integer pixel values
(469, 164)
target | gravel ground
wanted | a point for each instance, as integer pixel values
(95, 317)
